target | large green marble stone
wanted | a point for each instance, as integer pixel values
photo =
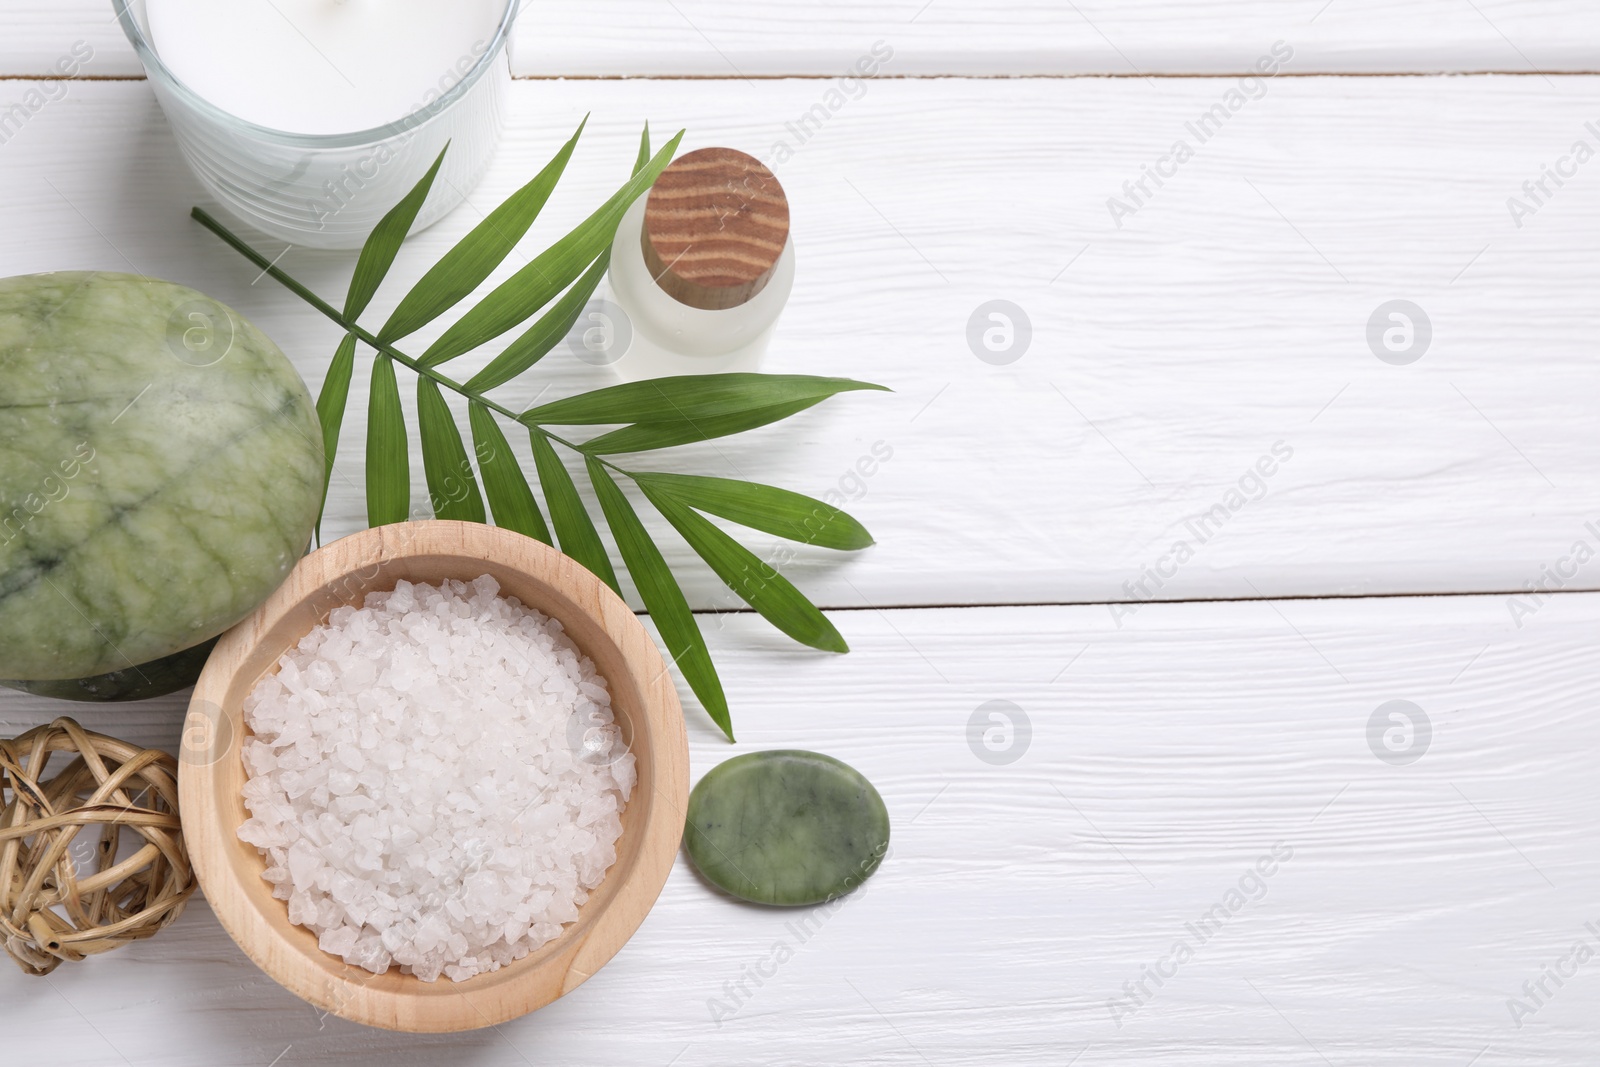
(160, 471)
(786, 827)
(140, 682)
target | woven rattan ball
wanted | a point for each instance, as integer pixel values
(57, 902)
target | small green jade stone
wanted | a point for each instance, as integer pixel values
(786, 827)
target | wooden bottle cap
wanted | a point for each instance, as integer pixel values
(714, 226)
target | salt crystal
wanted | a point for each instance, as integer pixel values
(339, 940)
(302, 909)
(303, 864)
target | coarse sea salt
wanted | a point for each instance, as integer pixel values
(435, 779)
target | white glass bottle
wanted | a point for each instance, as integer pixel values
(700, 269)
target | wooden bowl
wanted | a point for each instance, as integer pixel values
(212, 775)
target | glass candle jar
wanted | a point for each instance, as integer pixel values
(329, 189)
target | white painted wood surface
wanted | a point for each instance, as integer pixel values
(1227, 315)
(1172, 746)
(1165, 760)
(731, 38)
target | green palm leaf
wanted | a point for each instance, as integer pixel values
(556, 323)
(662, 597)
(536, 284)
(687, 397)
(579, 538)
(649, 436)
(377, 255)
(761, 507)
(757, 584)
(331, 403)
(388, 457)
(476, 255)
(509, 496)
(452, 489)
(543, 335)
(644, 150)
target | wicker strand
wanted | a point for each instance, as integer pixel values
(56, 906)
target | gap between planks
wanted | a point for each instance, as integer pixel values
(1297, 598)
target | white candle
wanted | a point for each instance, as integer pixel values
(321, 66)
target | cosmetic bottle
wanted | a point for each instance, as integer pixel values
(700, 269)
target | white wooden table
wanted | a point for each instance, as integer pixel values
(1033, 905)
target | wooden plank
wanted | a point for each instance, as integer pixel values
(1224, 320)
(721, 38)
(1406, 906)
